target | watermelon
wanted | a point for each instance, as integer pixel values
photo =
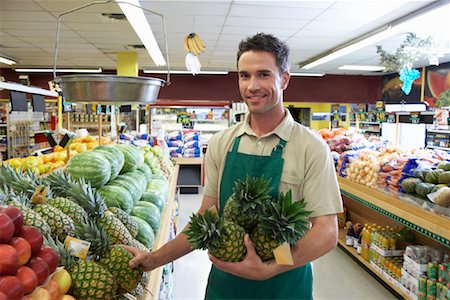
(148, 212)
(136, 184)
(154, 198)
(131, 187)
(114, 166)
(144, 169)
(93, 166)
(137, 177)
(134, 158)
(145, 233)
(116, 196)
(117, 154)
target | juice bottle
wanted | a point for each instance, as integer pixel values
(392, 239)
(384, 240)
(365, 242)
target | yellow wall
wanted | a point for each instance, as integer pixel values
(317, 108)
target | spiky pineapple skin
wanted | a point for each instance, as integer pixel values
(70, 208)
(231, 247)
(135, 243)
(233, 212)
(91, 281)
(32, 218)
(116, 260)
(118, 233)
(264, 244)
(125, 218)
(61, 224)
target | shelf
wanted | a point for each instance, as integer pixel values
(3, 125)
(152, 288)
(439, 131)
(437, 147)
(370, 130)
(352, 251)
(434, 226)
(188, 160)
(369, 123)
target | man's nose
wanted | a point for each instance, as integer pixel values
(253, 84)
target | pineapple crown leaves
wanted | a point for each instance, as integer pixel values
(253, 193)
(20, 181)
(65, 258)
(285, 221)
(204, 230)
(79, 191)
(93, 233)
(7, 196)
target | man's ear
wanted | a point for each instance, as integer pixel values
(285, 80)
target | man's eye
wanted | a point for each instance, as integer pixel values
(243, 75)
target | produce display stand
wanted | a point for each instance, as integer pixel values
(367, 205)
(153, 286)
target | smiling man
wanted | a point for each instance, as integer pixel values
(268, 143)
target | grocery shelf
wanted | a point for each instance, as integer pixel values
(352, 251)
(152, 288)
(434, 226)
(437, 147)
(438, 131)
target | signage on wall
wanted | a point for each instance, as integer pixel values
(391, 118)
(414, 117)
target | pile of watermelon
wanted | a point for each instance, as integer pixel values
(127, 178)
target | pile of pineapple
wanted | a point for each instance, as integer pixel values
(60, 206)
(250, 210)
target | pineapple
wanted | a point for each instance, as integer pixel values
(223, 239)
(283, 221)
(30, 217)
(60, 224)
(70, 208)
(113, 257)
(19, 182)
(90, 280)
(125, 218)
(247, 202)
(91, 201)
(136, 244)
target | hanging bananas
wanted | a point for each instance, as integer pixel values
(192, 43)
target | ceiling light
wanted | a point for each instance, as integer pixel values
(7, 61)
(135, 15)
(306, 74)
(378, 34)
(206, 72)
(37, 70)
(362, 68)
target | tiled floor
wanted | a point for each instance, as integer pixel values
(336, 276)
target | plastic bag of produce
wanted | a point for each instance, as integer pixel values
(441, 197)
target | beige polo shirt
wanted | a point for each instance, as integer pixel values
(308, 168)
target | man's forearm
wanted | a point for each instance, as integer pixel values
(173, 250)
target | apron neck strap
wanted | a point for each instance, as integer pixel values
(236, 144)
(278, 149)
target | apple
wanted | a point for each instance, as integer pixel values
(33, 236)
(9, 260)
(40, 267)
(6, 228)
(66, 297)
(53, 288)
(41, 294)
(23, 249)
(28, 279)
(50, 256)
(64, 280)
(16, 216)
(11, 287)
(4, 297)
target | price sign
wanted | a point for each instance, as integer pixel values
(381, 115)
(391, 118)
(414, 117)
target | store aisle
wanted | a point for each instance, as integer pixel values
(336, 275)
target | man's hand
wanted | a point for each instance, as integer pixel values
(146, 259)
(251, 267)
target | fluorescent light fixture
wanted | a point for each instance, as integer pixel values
(306, 74)
(135, 15)
(43, 70)
(361, 68)
(402, 24)
(206, 72)
(7, 61)
(13, 86)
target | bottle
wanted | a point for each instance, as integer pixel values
(392, 239)
(365, 242)
(384, 240)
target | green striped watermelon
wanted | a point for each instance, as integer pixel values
(154, 198)
(148, 212)
(93, 166)
(135, 181)
(116, 196)
(134, 158)
(114, 166)
(144, 169)
(117, 154)
(129, 186)
(145, 233)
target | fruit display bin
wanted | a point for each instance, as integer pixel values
(153, 287)
(429, 224)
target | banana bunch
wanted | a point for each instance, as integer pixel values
(193, 44)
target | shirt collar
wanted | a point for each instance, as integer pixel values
(283, 130)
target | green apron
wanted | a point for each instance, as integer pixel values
(294, 284)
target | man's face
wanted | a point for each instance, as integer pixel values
(260, 83)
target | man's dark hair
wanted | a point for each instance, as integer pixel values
(268, 43)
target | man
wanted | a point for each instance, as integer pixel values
(268, 143)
